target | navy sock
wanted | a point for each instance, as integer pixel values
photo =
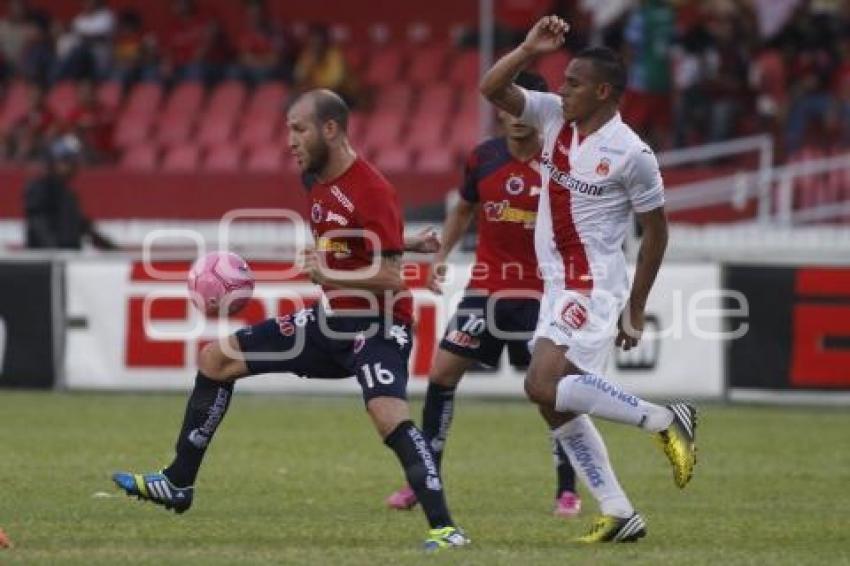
(421, 472)
(563, 468)
(437, 414)
(205, 410)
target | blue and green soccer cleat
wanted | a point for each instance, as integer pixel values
(155, 487)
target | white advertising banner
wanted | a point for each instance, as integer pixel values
(132, 327)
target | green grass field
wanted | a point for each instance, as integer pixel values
(302, 481)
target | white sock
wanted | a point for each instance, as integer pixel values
(586, 450)
(594, 395)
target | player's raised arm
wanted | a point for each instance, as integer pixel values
(497, 86)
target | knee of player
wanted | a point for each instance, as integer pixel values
(535, 389)
(213, 363)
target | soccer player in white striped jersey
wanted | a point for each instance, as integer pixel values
(596, 171)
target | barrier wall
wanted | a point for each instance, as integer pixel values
(712, 331)
(143, 334)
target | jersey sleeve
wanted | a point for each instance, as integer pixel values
(380, 215)
(643, 181)
(540, 108)
(469, 187)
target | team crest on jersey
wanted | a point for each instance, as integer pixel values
(316, 212)
(604, 167)
(514, 185)
(574, 315)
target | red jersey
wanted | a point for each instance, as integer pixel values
(507, 190)
(359, 201)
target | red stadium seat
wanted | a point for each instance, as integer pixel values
(435, 160)
(109, 94)
(257, 130)
(383, 130)
(214, 129)
(265, 159)
(463, 133)
(356, 127)
(385, 66)
(173, 130)
(393, 159)
(217, 122)
(227, 98)
(427, 131)
(15, 104)
(394, 98)
(142, 157)
(132, 129)
(145, 98)
(181, 158)
(268, 100)
(355, 57)
(552, 67)
(186, 99)
(464, 68)
(62, 98)
(427, 64)
(223, 158)
(437, 100)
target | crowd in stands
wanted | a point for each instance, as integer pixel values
(699, 71)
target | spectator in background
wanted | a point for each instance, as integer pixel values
(322, 65)
(54, 218)
(37, 58)
(648, 39)
(728, 85)
(692, 64)
(86, 49)
(29, 135)
(195, 48)
(841, 90)
(93, 125)
(13, 38)
(769, 80)
(259, 46)
(134, 52)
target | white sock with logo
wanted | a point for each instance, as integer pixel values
(594, 395)
(589, 457)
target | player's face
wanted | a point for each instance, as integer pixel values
(580, 93)
(514, 128)
(306, 143)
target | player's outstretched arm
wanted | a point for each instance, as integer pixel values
(425, 241)
(652, 247)
(497, 86)
(455, 226)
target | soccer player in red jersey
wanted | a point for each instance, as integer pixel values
(500, 307)
(362, 326)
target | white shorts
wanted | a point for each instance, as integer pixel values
(587, 326)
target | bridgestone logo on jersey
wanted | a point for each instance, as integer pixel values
(568, 181)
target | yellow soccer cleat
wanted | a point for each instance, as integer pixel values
(679, 442)
(615, 529)
(445, 537)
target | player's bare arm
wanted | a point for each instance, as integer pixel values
(386, 278)
(455, 226)
(497, 86)
(426, 241)
(650, 255)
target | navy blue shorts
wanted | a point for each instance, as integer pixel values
(313, 344)
(483, 326)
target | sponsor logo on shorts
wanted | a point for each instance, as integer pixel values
(574, 315)
(399, 334)
(463, 339)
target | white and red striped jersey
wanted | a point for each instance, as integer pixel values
(588, 188)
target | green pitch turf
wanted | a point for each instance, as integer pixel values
(302, 481)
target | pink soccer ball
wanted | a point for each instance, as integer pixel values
(220, 283)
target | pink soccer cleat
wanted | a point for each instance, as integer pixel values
(402, 499)
(568, 505)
